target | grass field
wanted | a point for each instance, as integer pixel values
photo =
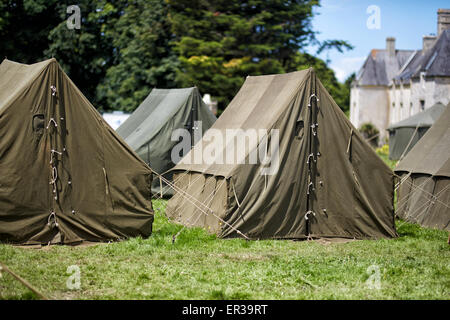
(199, 266)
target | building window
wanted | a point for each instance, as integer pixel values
(393, 104)
(422, 105)
(401, 104)
(411, 105)
(422, 79)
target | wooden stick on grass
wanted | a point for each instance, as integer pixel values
(23, 281)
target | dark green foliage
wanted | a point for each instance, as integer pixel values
(370, 133)
(86, 54)
(221, 42)
(126, 47)
(24, 26)
(142, 56)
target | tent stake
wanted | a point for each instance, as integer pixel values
(23, 281)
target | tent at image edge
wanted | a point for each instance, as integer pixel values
(149, 129)
(330, 182)
(65, 175)
(424, 192)
(405, 134)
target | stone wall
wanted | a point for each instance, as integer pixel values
(370, 104)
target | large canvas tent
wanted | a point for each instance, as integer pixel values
(149, 129)
(65, 175)
(329, 182)
(405, 134)
(424, 192)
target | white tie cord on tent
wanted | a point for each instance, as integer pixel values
(431, 200)
(427, 204)
(426, 192)
(192, 199)
(196, 203)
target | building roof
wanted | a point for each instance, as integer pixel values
(379, 67)
(434, 62)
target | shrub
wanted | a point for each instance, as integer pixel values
(370, 133)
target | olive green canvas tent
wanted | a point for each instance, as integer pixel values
(65, 175)
(325, 182)
(424, 192)
(405, 134)
(149, 129)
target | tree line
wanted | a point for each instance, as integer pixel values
(125, 48)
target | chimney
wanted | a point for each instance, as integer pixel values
(443, 20)
(390, 46)
(428, 42)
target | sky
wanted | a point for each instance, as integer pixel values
(366, 24)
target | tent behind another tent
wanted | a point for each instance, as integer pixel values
(405, 134)
(149, 129)
(424, 192)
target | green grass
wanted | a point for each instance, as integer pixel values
(199, 266)
(383, 153)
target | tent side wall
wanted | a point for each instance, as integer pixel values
(354, 188)
(108, 197)
(159, 149)
(403, 139)
(424, 199)
(200, 201)
(24, 172)
(272, 205)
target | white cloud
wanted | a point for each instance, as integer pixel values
(344, 67)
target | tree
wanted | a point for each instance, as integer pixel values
(126, 47)
(220, 42)
(142, 56)
(87, 53)
(24, 27)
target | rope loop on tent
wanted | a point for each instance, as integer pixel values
(311, 155)
(235, 195)
(52, 153)
(310, 98)
(53, 88)
(309, 187)
(314, 127)
(54, 175)
(50, 122)
(307, 214)
(52, 215)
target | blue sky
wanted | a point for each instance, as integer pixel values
(405, 20)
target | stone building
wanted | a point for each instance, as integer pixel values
(369, 94)
(425, 79)
(393, 85)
